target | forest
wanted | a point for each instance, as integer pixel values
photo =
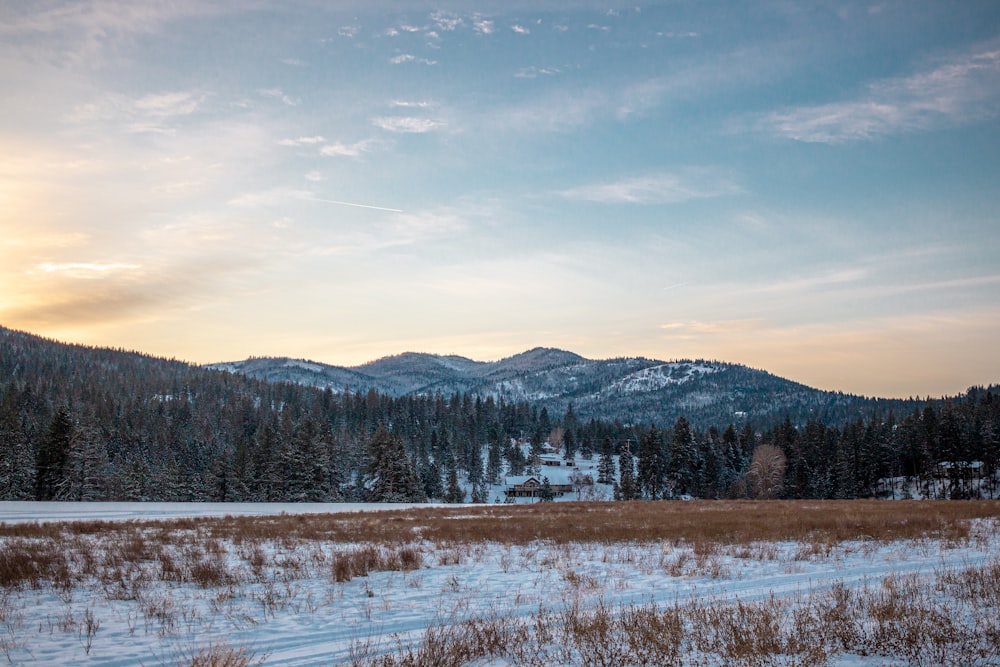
(82, 423)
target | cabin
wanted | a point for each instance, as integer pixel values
(529, 486)
(555, 460)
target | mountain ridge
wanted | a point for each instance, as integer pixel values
(632, 389)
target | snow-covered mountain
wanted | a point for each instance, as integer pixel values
(635, 390)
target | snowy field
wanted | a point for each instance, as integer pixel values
(176, 597)
(28, 511)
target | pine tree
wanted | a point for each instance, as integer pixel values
(50, 460)
(546, 494)
(454, 493)
(569, 445)
(682, 466)
(626, 475)
(651, 471)
(17, 468)
(85, 473)
(606, 473)
(390, 475)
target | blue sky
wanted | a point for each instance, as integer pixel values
(809, 188)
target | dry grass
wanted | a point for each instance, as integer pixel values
(219, 552)
(900, 619)
(697, 522)
(260, 559)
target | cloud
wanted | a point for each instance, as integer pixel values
(315, 177)
(277, 94)
(293, 62)
(965, 89)
(520, 29)
(88, 33)
(533, 72)
(402, 104)
(303, 141)
(659, 188)
(339, 149)
(349, 31)
(446, 21)
(85, 270)
(407, 124)
(483, 26)
(152, 113)
(410, 58)
(694, 329)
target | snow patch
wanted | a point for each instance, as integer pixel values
(658, 377)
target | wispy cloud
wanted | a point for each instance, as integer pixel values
(447, 21)
(86, 270)
(404, 104)
(410, 58)
(154, 112)
(339, 149)
(659, 188)
(407, 124)
(278, 94)
(303, 141)
(483, 26)
(293, 62)
(965, 89)
(520, 29)
(533, 72)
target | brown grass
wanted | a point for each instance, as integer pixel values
(899, 620)
(125, 556)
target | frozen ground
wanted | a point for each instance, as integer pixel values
(27, 511)
(310, 619)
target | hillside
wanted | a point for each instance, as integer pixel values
(634, 390)
(86, 423)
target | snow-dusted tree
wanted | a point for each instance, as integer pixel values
(16, 465)
(454, 493)
(606, 472)
(682, 467)
(85, 475)
(52, 454)
(390, 475)
(652, 470)
(569, 445)
(626, 475)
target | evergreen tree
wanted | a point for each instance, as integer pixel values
(50, 460)
(606, 473)
(17, 469)
(681, 469)
(651, 471)
(546, 494)
(85, 474)
(626, 475)
(431, 478)
(390, 475)
(454, 493)
(569, 446)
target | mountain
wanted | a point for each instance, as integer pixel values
(633, 390)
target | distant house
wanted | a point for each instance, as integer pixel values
(529, 486)
(555, 460)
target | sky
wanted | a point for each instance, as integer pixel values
(809, 188)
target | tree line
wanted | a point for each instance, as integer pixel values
(80, 423)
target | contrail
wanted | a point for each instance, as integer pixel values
(347, 203)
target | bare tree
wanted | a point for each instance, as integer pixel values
(766, 473)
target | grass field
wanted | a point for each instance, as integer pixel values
(644, 583)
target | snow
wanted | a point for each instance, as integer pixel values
(658, 377)
(27, 511)
(304, 365)
(317, 621)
